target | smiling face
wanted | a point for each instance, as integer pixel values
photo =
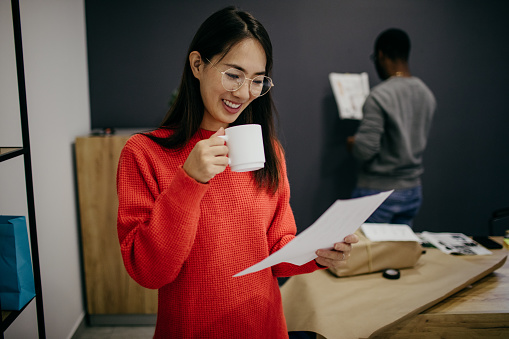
(221, 106)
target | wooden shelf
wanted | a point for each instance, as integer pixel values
(7, 153)
(5, 150)
(8, 317)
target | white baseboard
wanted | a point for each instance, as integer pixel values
(78, 325)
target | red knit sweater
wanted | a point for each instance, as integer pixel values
(188, 239)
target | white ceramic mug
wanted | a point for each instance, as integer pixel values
(245, 147)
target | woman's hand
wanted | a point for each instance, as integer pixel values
(208, 158)
(338, 255)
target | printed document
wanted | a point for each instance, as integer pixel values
(455, 243)
(350, 91)
(342, 218)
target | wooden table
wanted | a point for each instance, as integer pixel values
(478, 311)
(427, 302)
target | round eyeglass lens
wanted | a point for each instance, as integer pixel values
(233, 79)
(260, 85)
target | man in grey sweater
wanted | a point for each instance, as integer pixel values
(392, 136)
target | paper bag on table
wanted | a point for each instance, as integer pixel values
(373, 256)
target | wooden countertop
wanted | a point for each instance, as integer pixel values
(480, 310)
(442, 296)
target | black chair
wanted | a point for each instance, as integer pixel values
(495, 227)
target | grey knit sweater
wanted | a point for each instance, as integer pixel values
(392, 136)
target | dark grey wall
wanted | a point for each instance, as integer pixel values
(460, 49)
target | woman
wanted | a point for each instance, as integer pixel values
(186, 222)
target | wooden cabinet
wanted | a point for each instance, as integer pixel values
(110, 291)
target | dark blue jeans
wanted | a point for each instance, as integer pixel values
(399, 208)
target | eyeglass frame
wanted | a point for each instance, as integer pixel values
(245, 78)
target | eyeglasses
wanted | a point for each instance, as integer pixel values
(232, 80)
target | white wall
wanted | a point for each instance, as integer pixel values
(54, 41)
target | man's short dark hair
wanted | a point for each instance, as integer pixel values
(394, 43)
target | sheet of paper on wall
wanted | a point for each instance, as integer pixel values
(455, 243)
(350, 91)
(342, 218)
(389, 232)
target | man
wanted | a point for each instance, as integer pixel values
(391, 138)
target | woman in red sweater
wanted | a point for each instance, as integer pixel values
(186, 222)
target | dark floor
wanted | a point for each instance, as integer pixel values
(114, 332)
(142, 332)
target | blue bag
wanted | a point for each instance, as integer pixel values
(16, 275)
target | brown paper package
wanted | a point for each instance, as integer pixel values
(373, 256)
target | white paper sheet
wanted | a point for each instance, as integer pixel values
(350, 91)
(389, 232)
(342, 218)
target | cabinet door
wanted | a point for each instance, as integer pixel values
(109, 289)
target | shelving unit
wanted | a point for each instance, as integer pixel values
(7, 153)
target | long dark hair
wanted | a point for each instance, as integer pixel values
(216, 36)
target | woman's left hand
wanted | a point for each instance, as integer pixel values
(339, 254)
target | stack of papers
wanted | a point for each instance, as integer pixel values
(455, 243)
(389, 232)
